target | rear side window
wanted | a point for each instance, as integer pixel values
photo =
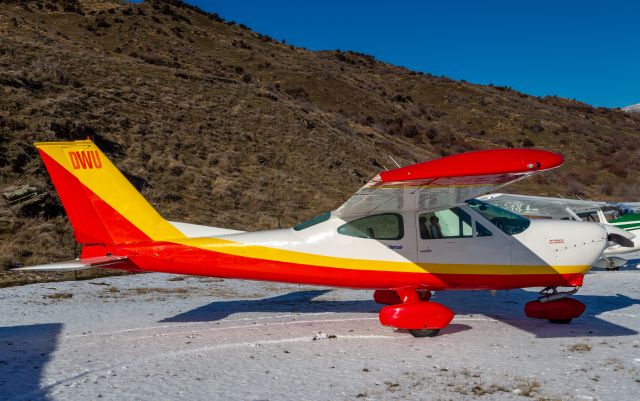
(386, 226)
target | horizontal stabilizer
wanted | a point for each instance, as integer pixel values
(77, 264)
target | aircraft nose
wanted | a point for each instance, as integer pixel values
(582, 242)
(560, 242)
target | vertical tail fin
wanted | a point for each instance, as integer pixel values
(102, 205)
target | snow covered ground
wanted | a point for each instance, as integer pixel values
(160, 337)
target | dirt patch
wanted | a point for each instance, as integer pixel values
(59, 295)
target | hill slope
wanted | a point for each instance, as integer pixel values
(223, 126)
(634, 108)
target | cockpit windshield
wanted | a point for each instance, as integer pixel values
(505, 220)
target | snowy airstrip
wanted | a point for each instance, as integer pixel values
(162, 337)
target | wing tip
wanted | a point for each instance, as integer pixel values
(479, 162)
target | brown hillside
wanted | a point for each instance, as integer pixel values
(222, 126)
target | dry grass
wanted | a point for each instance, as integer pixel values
(527, 388)
(580, 347)
(59, 295)
(152, 290)
(470, 384)
(222, 126)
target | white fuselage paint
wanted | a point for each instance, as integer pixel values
(543, 243)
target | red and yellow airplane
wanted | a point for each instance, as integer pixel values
(407, 232)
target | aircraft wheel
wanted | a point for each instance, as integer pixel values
(560, 321)
(424, 332)
(424, 295)
(613, 269)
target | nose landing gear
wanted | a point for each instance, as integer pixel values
(415, 313)
(555, 306)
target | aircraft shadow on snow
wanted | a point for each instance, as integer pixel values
(506, 306)
(293, 302)
(24, 354)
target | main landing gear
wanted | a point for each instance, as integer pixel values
(610, 263)
(410, 309)
(555, 306)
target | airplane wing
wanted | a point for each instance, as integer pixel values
(628, 207)
(555, 208)
(446, 182)
(76, 264)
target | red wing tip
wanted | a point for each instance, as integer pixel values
(480, 162)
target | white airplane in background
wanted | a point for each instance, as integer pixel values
(621, 215)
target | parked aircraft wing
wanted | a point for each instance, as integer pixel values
(542, 206)
(628, 207)
(76, 264)
(446, 182)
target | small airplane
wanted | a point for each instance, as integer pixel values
(619, 214)
(407, 232)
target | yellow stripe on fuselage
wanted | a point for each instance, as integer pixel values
(287, 256)
(108, 183)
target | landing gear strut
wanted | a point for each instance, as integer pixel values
(610, 263)
(415, 312)
(555, 306)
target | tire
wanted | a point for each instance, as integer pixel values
(420, 333)
(424, 296)
(560, 321)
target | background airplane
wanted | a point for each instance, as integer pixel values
(407, 232)
(622, 215)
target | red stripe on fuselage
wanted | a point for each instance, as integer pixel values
(168, 257)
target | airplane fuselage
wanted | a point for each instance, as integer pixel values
(547, 253)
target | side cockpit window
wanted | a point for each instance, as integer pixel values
(449, 223)
(387, 226)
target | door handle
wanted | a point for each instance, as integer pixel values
(425, 250)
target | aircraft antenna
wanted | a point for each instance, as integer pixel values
(393, 160)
